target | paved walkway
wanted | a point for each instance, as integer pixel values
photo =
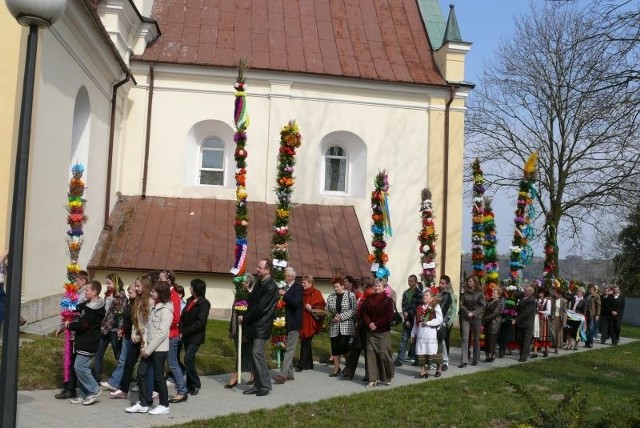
(40, 409)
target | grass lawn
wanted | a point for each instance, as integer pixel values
(599, 388)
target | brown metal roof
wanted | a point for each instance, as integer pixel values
(368, 39)
(197, 236)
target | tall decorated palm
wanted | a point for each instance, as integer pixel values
(521, 252)
(381, 224)
(550, 249)
(75, 236)
(490, 244)
(290, 140)
(241, 222)
(477, 225)
(427, 239)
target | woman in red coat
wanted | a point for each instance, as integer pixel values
(377, 313)
(311, 322)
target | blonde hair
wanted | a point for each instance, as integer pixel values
(140, 311)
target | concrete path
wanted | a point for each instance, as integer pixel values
(40, 409)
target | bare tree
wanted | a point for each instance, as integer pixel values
(561, 88)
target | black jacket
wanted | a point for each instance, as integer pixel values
(193, 322)
(87, 326)
(526, 312)
(492, 317)
(293, 310)
(612, 304)
(262, 305)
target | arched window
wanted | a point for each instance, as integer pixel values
(335, 169)
(81, 130)
(212, 161)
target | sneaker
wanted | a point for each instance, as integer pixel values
(133, 387)
(137, 408)
(155, 395)
(92, 398)
(170, 381)
(397, 363)
(106, 386)
(118, 394)
(160, 410)
(77, 400)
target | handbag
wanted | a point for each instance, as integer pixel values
(397, 318)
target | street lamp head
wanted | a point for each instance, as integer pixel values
(42, 13)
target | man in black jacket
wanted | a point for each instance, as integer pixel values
(524, 322)
(614, 308)
(259, 321)
(292, 294)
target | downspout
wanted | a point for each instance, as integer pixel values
(114, 103)
(147, 142)
(445, 196)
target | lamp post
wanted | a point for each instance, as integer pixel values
(34, 14)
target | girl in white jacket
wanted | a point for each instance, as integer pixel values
(153, 352)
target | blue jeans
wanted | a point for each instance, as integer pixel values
(592, 329)
(404, 341)
(116, 376)
(174, 366)
(86, 382)
(190, 350)
(116, 345)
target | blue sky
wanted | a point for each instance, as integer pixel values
(486, 23)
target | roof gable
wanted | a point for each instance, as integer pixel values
(368, 39)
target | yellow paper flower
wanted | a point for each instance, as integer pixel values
(282, 213)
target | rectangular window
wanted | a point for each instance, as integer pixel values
(335, 174)
(211, 177)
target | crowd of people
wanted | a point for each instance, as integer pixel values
(149, 325)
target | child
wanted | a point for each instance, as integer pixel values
(425, 333)
(69, 387)
(114, 301)
(153, 351)
(87, 338)
(124, 334)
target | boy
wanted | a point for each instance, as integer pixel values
(69, 387)
(87, 338)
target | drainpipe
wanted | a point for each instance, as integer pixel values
(445, 173)
(114, 102)
(147, 142)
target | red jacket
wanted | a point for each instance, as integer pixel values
(174, 331)
(311, 326)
